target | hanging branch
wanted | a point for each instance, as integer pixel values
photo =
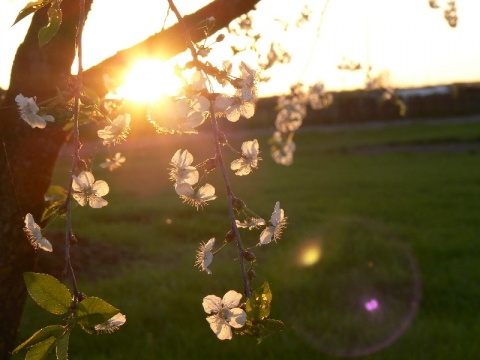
(76, 156)
(219, 158)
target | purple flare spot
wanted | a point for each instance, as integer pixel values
(371, 305)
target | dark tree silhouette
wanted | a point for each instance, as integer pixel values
(28, 156)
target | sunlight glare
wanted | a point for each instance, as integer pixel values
(149, 80)
(310, 254)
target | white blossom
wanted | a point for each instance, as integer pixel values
(182, 171)
(225, 313)
(28, 112)
(196, 198)
(116, 131)
(318, 97)
(277, 223)
(243, 102)
(111, 324)
(234, 107)
(248, 75)
(87, 190)
(179, 116)
(204, 256)
(199, 80)
(227, 68)
(251, 223)
(34, 234)
(282, 151)
(290, 117)
(114, 162)
(249, 159)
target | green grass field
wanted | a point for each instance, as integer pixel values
(396, 230)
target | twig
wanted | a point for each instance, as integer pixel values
(230, 196)
(76, 155)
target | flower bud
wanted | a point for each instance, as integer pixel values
(210, 164)
(251, 274)
(220, 38)
(237, 83)
(86, 100)
(73, 240)
(249, 256)
(211, 20)
(222, 139)
(230, 236)
(82, 165)
(238, 204)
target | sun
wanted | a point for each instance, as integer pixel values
(149, 80)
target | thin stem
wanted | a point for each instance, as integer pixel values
(230, 196)
(186, 32)
(76, 155)
(317, 36)
(218, 148)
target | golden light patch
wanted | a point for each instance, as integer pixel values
(149, 81)
(310, 254)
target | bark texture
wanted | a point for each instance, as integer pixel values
(28, 156)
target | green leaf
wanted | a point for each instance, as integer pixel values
(62, 347)
(47, 32)
(93, 311)
(40, 335)
(268, 327)
(56, 196)
(55, 193)
(41, 350)
(258, 305)
(48, 292)
(30, 8)
(261, 329)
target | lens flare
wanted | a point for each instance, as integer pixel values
(310, 253)
(355, 288)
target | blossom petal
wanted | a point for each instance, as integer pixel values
(44, 244)
(247, 110)
(231, 299)
(184, 189)
(80, 197)
(220, 327)
(236, 317)
(206, 193)
(34, 120)
(209, 244)
(48, 118)
(100, 188)
(266, 235)
(212, 304)
(207, 260)
(222, 102)
(97, 202)
(86, 178)
(29, 221)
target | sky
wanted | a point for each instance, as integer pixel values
(406, 40)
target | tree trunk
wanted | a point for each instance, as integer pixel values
(28, 156)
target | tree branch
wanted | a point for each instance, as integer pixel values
(166, 44)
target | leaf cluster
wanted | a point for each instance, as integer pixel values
(47, 32)
(257, 308)
(53, 296)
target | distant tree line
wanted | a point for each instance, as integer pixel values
(359, 106)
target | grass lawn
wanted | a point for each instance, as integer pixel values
(379, 257)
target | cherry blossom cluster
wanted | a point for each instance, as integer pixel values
(449, 12)
(190, 109)
(292, 112)
(184, 114)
